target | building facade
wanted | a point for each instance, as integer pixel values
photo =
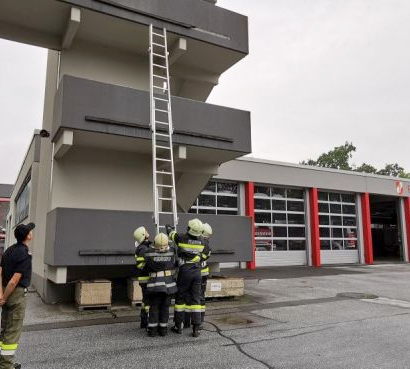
(5, 192)
(87, 179)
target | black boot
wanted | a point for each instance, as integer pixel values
(177, 328)
(17, 366)
(201, 326)
(144, 323)
(152, 331)
(163, 331)
(195, 330)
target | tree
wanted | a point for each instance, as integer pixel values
(338, 158)
(394, 170)
(366, 168)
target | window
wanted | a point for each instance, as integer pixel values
(279, 219)
(337, 221)
(23, 202)
(4, 209)
(217, 198)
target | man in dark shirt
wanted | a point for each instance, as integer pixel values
(15, 272)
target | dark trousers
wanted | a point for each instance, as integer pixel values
(12, 316)
(158, 309)
(144, 306)
(188, 298)
(204, 280)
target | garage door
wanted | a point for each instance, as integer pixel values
(280, 230)
(338, 228)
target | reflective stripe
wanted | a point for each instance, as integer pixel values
(160, 254)
(172, 235)
(139, 258)
(140, 265)
(164, 273)
(151, 325)
(144, 278)
(163, 324)
(8, 352)
(12, 346)
(157, 284)
(205, 270)
(195, 308)
(179, 307)
(196, 249)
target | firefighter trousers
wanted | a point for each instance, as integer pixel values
(159, 303)
(188, 298)
(204, 280)
(144, 306)
(12, 316)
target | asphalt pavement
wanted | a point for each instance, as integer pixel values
(350, 317)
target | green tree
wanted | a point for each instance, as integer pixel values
(393, 170)
(366, 168)
(338, 158)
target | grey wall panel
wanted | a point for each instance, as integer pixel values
(187, 18)
(99, 107)
(302, 176)
(80, 237)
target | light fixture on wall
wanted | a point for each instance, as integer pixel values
(44, 133)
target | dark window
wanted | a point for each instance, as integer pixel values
(296, 232)
(295, 194)
(323, 196)
(278, 192)
(227, 202)
(210, 187)
(227, 212)
(296, 219)
(335, 220)
(296, 206)
(280, 245)
(335, 209)
(261, 190)
(278, 205)
(324, 220)
(227, 187)
(324, 232)
(323, 208)
(262, 204)
(335, 197)
(23, 202)
(262, 218)
(279, 218)
(348, 198)
(206, 200)
(280, 232)
(325, 244)
(297, 245)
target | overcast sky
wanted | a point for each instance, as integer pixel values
(319, 72)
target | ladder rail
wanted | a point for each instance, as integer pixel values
(159, 183)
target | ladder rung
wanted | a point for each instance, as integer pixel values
(160, 88)
(161, 134)
(165, 198)
(156, 44)
(157, 76)
(165, 212)
(159, 98)
(165, 123)
(159, 66)
(163, 185)
(165, 160)
(163, 147)
(167, 173)
(161, 110)
(157, 34)
(159, 55)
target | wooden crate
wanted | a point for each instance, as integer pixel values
(224, 287)
(96, 292)
(134, 291)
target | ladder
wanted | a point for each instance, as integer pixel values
(164, 195)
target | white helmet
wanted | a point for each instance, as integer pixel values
(140, 235)
(161, 241)
(206, 230)
(195, 227)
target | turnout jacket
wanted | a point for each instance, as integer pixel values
(189, 248)
(160, 266)
(142, 273)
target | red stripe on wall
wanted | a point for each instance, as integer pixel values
(367, 229)
(407, 219)
(250, 212)
(314, 226)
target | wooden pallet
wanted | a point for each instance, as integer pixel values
(93, 307)
(135, 303)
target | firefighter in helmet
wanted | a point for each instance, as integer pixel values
(142, 243)
(206, 253)
(190, 246)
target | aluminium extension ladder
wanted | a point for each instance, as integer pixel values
(164, 194)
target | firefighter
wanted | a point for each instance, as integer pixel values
(190, 246)
(160, 262)
(206, 235)
(15, 278)
(142, 243)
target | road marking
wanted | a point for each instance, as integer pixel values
(387, 301)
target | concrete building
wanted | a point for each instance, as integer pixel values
(89, 184)
(5, 192)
